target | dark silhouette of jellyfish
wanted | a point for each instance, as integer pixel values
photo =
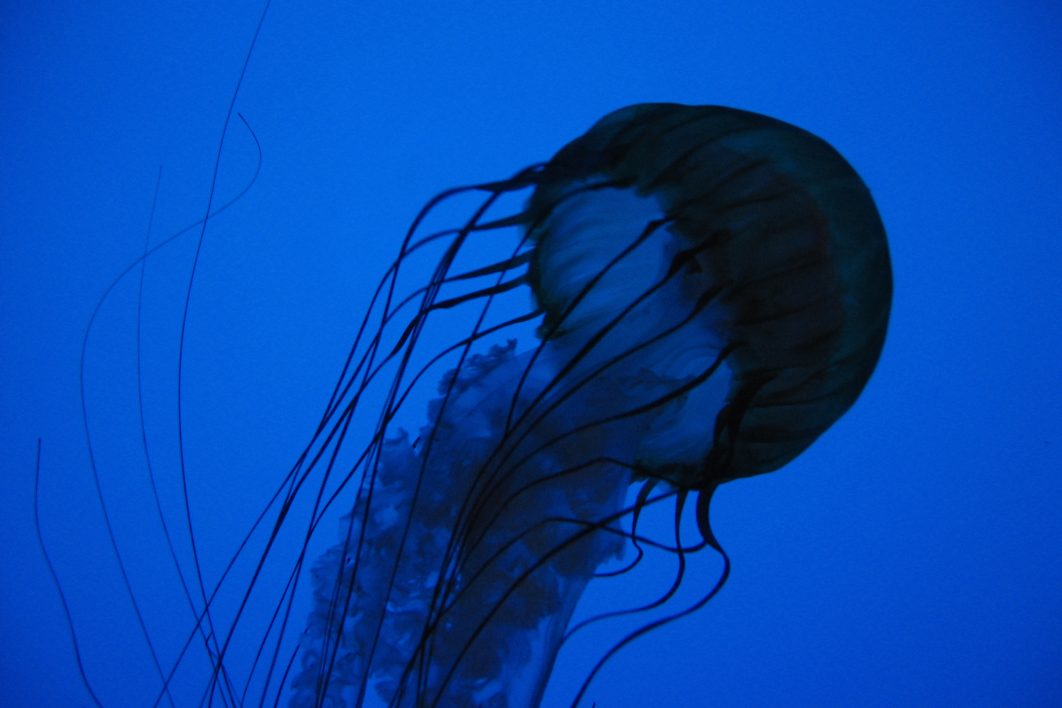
(711, 289)
(709, 292)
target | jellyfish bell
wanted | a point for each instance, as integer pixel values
(713, 289)
(778, 231)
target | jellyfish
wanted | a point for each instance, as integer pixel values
(680, 297)
(710, 291)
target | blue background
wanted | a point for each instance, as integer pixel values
(911, 556)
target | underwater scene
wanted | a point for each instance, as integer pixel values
(597, 354)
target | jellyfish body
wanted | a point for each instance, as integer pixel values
(712, 291)
(784, 238)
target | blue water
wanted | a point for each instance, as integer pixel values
(909, 557)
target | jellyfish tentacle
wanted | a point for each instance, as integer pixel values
(643, 494)
(657, 624)
(54, 575)
(679, 549)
